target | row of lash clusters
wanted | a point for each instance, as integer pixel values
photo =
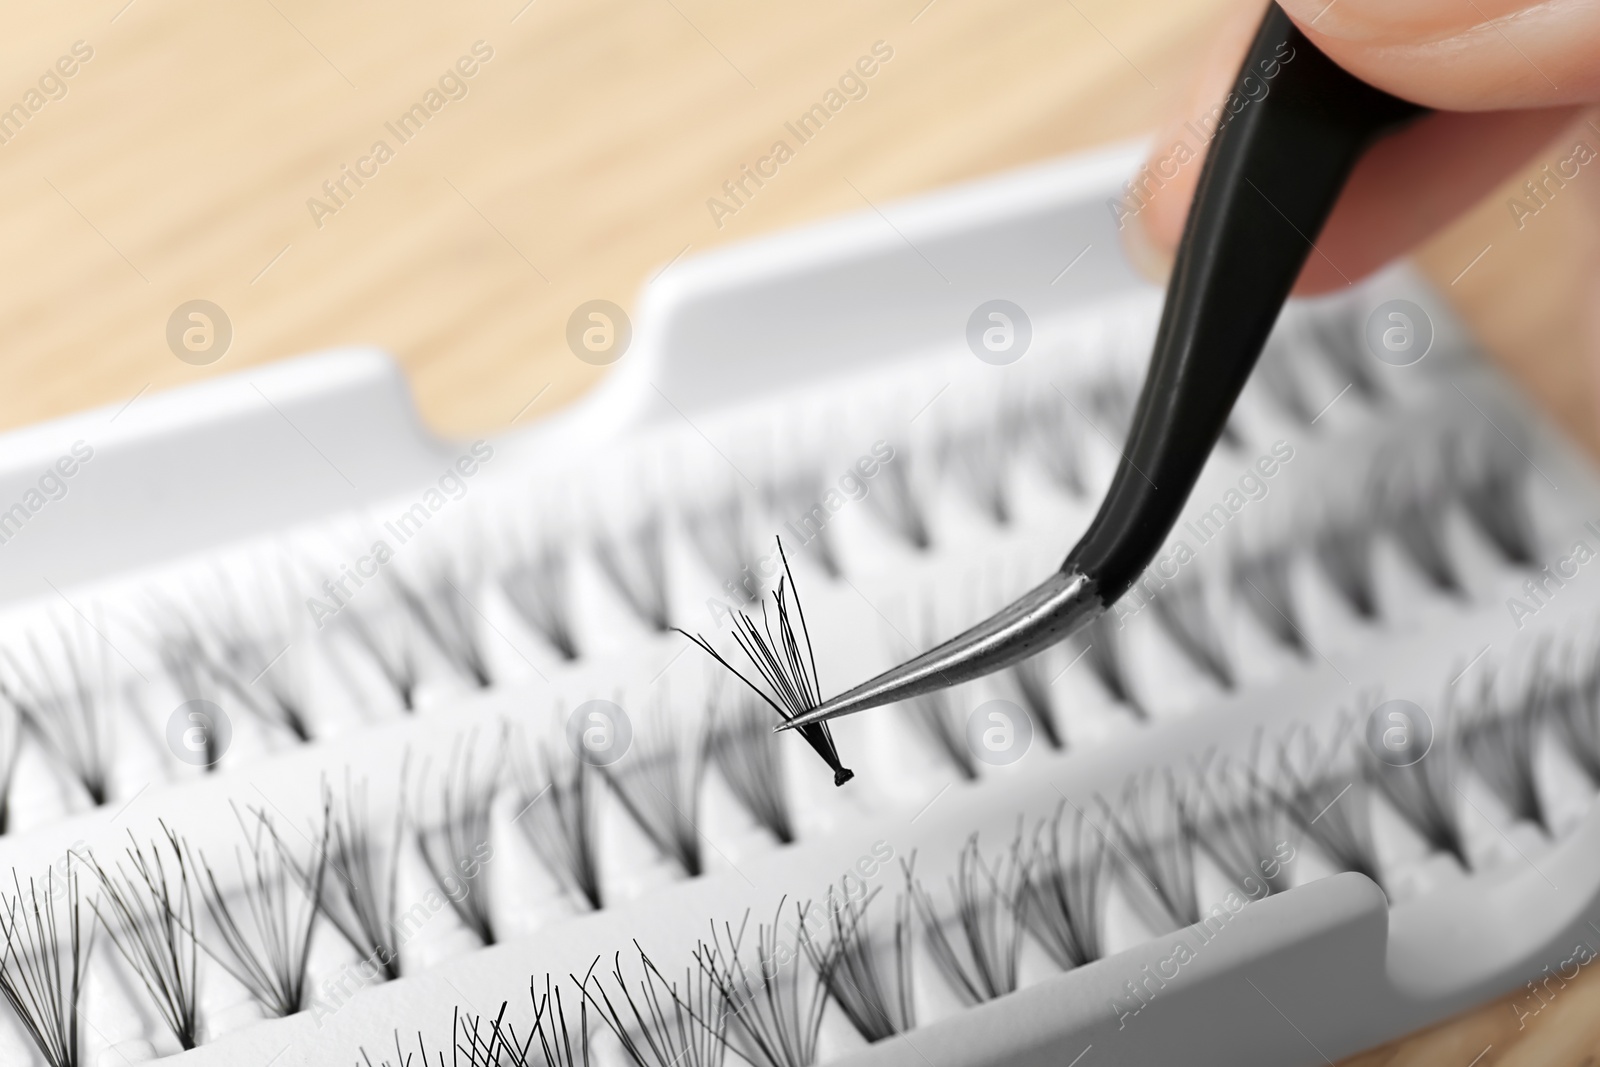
(164, 906)
(1241, 813)
(1248, 815)
(1483, 477)
(250, 647)
(1496, 736)
(149, 904)
(345, 869)
(764, 997)
(66, 692)
(1529, 737)
(1409, 491)
(977, 449)
(787, 676)
(247, 648)
(243, 644)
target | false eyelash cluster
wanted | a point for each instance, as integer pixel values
(786, 666)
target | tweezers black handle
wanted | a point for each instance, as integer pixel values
(1267, 187)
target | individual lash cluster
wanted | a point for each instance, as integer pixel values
(785, 664)
(65, 691)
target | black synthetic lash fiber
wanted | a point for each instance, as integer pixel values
(1342, 547)
(1574, 708)
(978, 458)
(267, 948)
(1100, 644)
(658, 783)
(747, 754)
(1111, 397)
(42, 978)
(1064, 889)
(870, 980)
(1280, 379)
(932, 714)
(1157, 843)
(401, 1059)
(1240, 824)
(1337, 336)
(359, 891)
(1491, 477)
(1500, 740)
(799, 495)
(640, 575)
(1053, 436)
(66, 705)
(719, 531)
(1182, 609)
(1261, 579)
(981, 962)
(442, 611)
(1327, 793)
(662, 1027)
(557, 810)
(786, 663)
(776, 1014)
(184, 660)
(1032, 681)
(1414, 505)
(554, 1033)
(536, 587)
(150, 917)
(1424, 793)
(455, 844)
(497, 1045)
(384, 634)
(897, 505)
(249, 654)
(10, 748)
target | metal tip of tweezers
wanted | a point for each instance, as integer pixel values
(1055, 609)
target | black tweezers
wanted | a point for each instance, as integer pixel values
(1267, 187)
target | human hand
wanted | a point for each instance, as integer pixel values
(1506, 75)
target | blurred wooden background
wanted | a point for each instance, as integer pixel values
(179, 162)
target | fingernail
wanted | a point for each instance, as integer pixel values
(1319, 14)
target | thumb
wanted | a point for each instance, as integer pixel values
(1477, 55)
(1406, 188)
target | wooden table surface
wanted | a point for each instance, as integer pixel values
(180, 159)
